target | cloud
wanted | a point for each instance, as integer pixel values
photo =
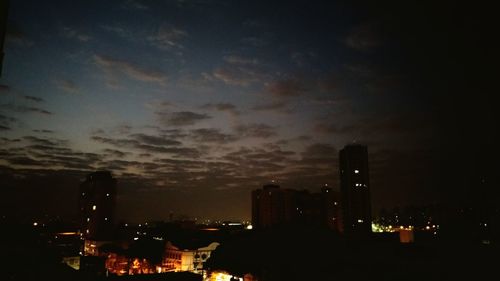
(131, 70)
(211, 136)
(228, 107)
(115, 153)
(6, 122)
(320, 150)
(45, 141)
(290, 87)
(25, 109)
(32, 98)
(363, 37)
(155, 140)
(255, 130)
(67, 85)
(275, 105)
(72, 33)
(239, 71)
(4, 128)
(180, 118)
(147, 146)
(44, 131)
(168, 37)
(234, 59)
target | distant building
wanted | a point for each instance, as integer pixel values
(97, 203)
(274, 206)
(355, 190)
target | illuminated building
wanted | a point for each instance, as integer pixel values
(178, 259)
(97, 203)
(355, 190)
(330, 208)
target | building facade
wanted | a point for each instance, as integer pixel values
(355, 190)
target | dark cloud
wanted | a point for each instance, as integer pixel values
(320, 150)
(211, 136)
(240, 71)
(25, 161)
(168, 37)
(228, 107)
(44, 131)
(67, 85)
(115, 153)
(72, 33)
(7, 121)
(275, 105)
(4, 128)
(132, 70)
(136, 144)
(287, 88)
(180, 118)
(44, 141)
(256, 130)
(25, 109)
(155, 140)
(32, 98)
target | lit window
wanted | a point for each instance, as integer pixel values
(360, 221)
(94, 207)
(88, 219)
(356, 171)
(107, 194)
(105, 219)
(87, 231)
(83, 193)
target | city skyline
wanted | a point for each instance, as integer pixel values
(193, 104)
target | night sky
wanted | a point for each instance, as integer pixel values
(193, 104)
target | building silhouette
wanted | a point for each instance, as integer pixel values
(97, 204)
(355, 190)
(274, 206)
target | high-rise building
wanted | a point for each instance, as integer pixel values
(97, 203)
(355, 190)
(274, 206)
(271, 206)
(330, 208)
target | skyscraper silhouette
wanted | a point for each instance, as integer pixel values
(97, 203)
(355, 190)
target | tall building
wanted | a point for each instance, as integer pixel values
(97, 204)
(274, 206)
(355, 190)
(330, 208)
(271, 206)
